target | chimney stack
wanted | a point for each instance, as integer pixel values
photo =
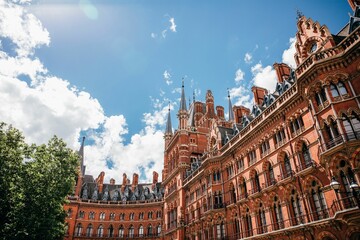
(282, 71)
(259, 94)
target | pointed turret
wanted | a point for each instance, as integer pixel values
(231, 113)
(182, 114)
(182, 100)
(81, 154)
(168, 130)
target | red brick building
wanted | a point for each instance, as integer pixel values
(288, 168)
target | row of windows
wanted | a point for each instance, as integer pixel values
(111, 231)
(121, 215)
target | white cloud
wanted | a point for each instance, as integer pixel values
(248, 58)
(167, 77)
(264, 76)
(239, 75)
(47, 105)
(288, 54)
(173, 25)
(24, 29)
(241, 95)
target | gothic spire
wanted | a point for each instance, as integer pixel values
(168, 123)
(81, 154)
(182, 100)
(231, 113)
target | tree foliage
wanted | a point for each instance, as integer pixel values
(34, 183)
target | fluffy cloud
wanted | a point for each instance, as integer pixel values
(167, 77)
(42, 105)
(264, 76)
(239, 75)
(288, 54)
(23, 28)
(248, 58)
(241, 95)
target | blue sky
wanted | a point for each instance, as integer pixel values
(108, 69)
(113, 56)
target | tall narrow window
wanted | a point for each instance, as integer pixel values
(131, 231)
(287, 165)
(121, 231)
(296, 208)
(100, 231)
(278, 217)
(141, 231)
(317, 201)
(159, 230)
(248, 224)
(111, 231)
(78, 230)
(351, 126)
(89, 230)
(149, 230)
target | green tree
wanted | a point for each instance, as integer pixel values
(34, 183)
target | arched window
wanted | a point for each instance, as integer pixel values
(81, 214)
(277, 214)
(91, 215)
(320, 98)
(102, 216)
(121, 231)
(232, 194)
(141, 231)
(261, 220)
(149, 230)
(338, 89)
(110, 231)
(256, 183)
(220, 230)
(287, 166)
(100, 231)
(334, 91)
(150, 215)
(270, 178)
(89, 230)
(78, 230)
(332, 134)
(296, 208)
(158, 230)
(317, 201)
(243, 189)
(131, 231)
(305, 157)
(346, 178)
(351, 126)
(248, 224)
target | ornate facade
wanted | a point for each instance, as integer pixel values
(288, 168)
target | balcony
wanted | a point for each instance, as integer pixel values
(286, 175)
(349, 136)
(307, 164)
